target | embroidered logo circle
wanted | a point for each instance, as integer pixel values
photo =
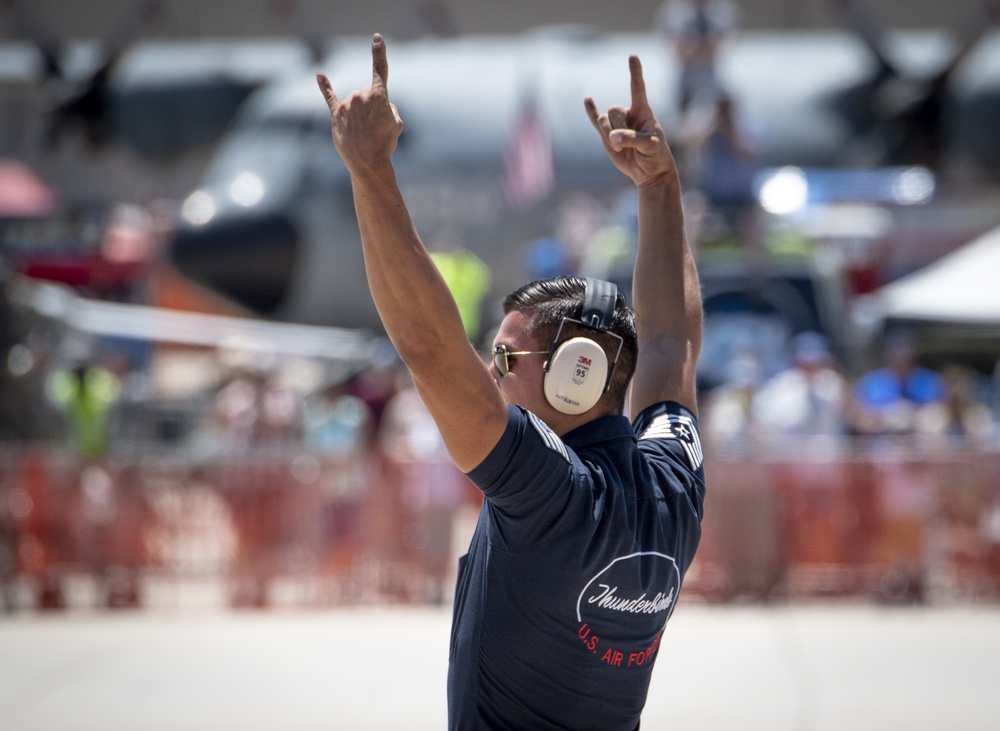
(634, 591)
(615, 589)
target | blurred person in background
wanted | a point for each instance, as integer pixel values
(807, 399)
(588, 522)
(252, 406)
(339, 430)
(886, 399)
(580, 218)
(468, 278)
(723, 163)
(87, 393)
(885, 405)
(335, 421)
(801, 415)
(961, 414)
(281, 421)
(696, 31)
(727, 414)
(375, 386)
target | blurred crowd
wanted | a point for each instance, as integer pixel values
(815, 398)
(278, 466)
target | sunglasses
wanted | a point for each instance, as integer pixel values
(502, 357)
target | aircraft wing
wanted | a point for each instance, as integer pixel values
(140, 322)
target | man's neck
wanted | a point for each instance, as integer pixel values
(563, 424)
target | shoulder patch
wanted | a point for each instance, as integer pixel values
(548, 436)
(681, 428)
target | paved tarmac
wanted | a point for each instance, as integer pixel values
(804, 668)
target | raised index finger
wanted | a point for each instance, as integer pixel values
(380, 65)
(638, 84)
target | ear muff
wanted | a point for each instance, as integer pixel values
(576, 374)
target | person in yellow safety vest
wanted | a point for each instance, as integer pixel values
(469, 280)
(86, 394)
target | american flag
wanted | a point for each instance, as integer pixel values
(528, 163)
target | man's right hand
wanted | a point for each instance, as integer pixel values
(366, 125)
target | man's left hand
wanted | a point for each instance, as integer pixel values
(632, 137)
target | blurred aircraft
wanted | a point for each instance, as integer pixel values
(119, 120)
(121, 114)
(272, 225)
(924, 104)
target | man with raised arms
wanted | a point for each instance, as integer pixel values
(589, 522)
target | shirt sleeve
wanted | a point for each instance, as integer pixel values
(670, 438)
(530, 478)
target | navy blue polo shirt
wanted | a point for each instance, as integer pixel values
(573, 571)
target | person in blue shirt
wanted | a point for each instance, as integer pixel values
(888, 398)
(589, 522)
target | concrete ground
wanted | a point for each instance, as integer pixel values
(797, 668)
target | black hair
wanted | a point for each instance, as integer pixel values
(549, 301)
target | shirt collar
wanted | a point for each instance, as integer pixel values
(603, 428)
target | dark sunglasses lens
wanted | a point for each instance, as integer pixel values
(500, 360)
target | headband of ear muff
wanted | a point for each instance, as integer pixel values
(577, 373)
(599, 300)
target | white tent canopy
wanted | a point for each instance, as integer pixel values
(962, 287)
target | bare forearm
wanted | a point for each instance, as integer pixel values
(665, 291)
(667, 298)
(422, 320)
(413, 301)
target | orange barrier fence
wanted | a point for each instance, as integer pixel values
(254, 529)
(894, 524)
